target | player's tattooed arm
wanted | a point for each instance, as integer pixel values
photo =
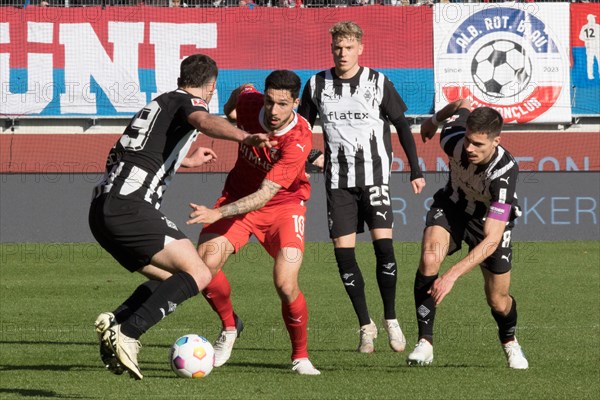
(254, 201)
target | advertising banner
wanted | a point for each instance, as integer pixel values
(513, 57)
(112, 61)
(585, 51)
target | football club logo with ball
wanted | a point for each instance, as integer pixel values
(505, 58)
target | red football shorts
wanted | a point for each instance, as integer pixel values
(275, 227)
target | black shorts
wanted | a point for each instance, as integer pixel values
(348, 209)
(463, 226)
(131, 231)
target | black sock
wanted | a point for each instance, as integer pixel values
(386, 275)
(507, 325)
(353, 283)
(424, 305)
(161, 303)
(137, 298)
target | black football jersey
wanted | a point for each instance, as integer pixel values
(143, 161)
(472, 188)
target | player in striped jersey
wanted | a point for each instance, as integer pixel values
(356, 105)
(125, 216)
(477, 205)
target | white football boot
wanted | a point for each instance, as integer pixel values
(422, 354)
(224, 344)
(124, 348)
(396, 337)
(514, 355)
(104, 321)
(303, 366)
(368, 333)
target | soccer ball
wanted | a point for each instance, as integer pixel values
(192, 356)
(501, 68)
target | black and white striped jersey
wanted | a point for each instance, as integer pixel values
(356, 115)
(473, 188)
(142, 162)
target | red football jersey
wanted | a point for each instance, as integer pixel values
(283, 164)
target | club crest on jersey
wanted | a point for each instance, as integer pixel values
(199, 103)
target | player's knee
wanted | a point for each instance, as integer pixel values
(499, 302)
(346, 259)
(287, 290)
(430, 262)
(202, 276)
(384, 250)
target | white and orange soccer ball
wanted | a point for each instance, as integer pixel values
(192, 356)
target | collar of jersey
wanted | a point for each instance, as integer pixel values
(261, 116)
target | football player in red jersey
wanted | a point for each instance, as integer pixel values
(264, 196)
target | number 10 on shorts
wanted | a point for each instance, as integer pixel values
(299, 226)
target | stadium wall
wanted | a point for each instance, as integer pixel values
(41, 208)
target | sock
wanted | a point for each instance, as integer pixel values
(295, 316)
(170, 293)
(139, 296)
(218, 295)
(386, 275)
(507, 325)
(424, 305)
(353, 283)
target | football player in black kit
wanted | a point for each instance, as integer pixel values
(357, 105)
(125, 216)
(478, 205)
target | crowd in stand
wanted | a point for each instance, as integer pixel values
(246, 3)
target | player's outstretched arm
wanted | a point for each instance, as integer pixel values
(198, 157)
(430, 125)
(219, 128)
(254, 201)
(492, 231)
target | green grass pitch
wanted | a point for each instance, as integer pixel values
(50, 295)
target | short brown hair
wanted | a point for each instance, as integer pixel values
(485, 120)
(196, 71)
(346, 29)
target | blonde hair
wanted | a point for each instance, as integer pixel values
(346, 29)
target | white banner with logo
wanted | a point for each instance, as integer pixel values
(513, 57)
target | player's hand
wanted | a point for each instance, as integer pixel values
(200, 156)
(418, 185)
(203, 215)
(259, 140)
(440, 288)
(428, 130)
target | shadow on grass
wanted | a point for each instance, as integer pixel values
(38, 393)
(37, 342)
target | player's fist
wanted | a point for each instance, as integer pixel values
(418, 185)
(203, 215)
(428, 130)
(198, 157)
(259, 140)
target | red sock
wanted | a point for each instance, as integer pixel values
(218, 295)
(295, 316)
